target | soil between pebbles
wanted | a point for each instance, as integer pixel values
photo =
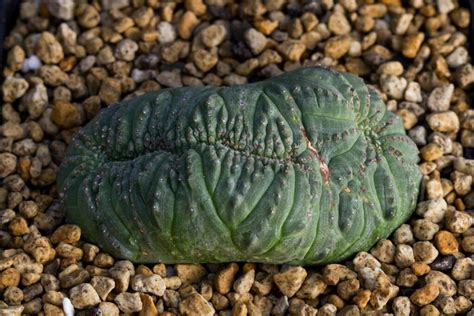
(67, 59)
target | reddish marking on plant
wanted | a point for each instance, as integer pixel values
(323, 167)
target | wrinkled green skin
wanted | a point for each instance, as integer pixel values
(306, 168)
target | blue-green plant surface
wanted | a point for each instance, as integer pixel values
(305, 168)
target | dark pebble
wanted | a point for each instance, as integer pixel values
(444, 263)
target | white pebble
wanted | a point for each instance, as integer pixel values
(31, 63)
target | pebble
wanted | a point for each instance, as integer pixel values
(404, 256)
(110, 91)
(129, 302)
(190, 273)
(290, 280)
(313, 286)
(462, 269)
(338, 23)
(424, 229)
(244, 283)
(36, 100)
(126, 50)
(393, 86)
(444, 122)
(425, 295)
(61, 9)
(108, 308)
(48, 49)
(466, 288)
(458, 57)
(15, 58)
(187, 24)
(213, 35)
(444, 263)
(195, 304)
(413, 92)
(337, 46)
(412, 44)
(458, 222)
(103, 286)
(14, 88)
(204, 60)
(166, 32)
(31, 63)
(440, 98)
(67, 233)
(153, 284)
(84, 296)
(8, 163)
(225, 278)
(65, 114)
(464, 75)
(255, 40)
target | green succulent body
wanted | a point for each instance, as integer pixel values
(305, 168)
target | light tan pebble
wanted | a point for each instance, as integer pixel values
(365, 260)
(444, 122)
(292, 50)
(110, 91)
(402, 23)
(393, 86)
(14, 88)
(204, 60)
(220, 302)
(50, 282)
(458, 222)
(103, 286)
(196, 6)
(434, 189)
(464, 165)
(425, 252)
(446, 304)
(105, 56)
(411, 44)
(13, 131)
(36, 100)
(13, 295)
(468, 244)
(149, 308)
(73, 275)
(337, 46)
(413, 92)
(153, 284)
(129, 302)
(225, 278)
(263, 285)
(462, 304)
(195, 304)
(170, 78)
(404, 256)
(424, 229)
(347, 289)
(440, 98)
(123, 24)
(431, 152)
(18, 227)
(244, 283)
(87, 16)
(187, 24)
(213, 35)
(6, 216)
(109, 308)
(384, 251)
(466, 288)
(462, 182)
(234, 79)
(68, 251)
(393, 68)
(247, 67)
(290, 280)
(445, 6)
(190, 273)
(313, 286)
(84, 296)
(8, 163)
(432, 210)
(429, 310)
(420, 268)
(15, 58)
(458, 57)
(239, 309)
(338, 23)
(142, 16)
(167, 32)
(464, 75)
(172, 282)
(90, 251)
(126, 49)
(11, 310)
(401, 306)
(121, 277)
(67, 233)
(425, 295)
(53, 75)
(467, 138)
(53, 297)
(48, 49)
(462, 269)
(446, 285)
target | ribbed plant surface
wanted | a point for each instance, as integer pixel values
(306, 168)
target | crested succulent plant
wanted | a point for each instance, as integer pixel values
(307, 168)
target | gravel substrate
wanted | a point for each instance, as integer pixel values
(67, 59)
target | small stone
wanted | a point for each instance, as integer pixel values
(190, 273)
(195, 304)
(431, 152)
(337, 46)
(404, 256)
(401, 306)
(255, 40)
(204, 60)
(413, 92)
(126, 50)
(464, 75)
(108, 308)
(425, 295)
(18, 227)
(84, 296)
(392, 68)
(432, 210)
(36, 100)
(244, 283)
(11, 310)
(225, 278)
(266, 26)
(424, 229)
(446, 242)
(8, 164)
(121, 277)
(420, 268)
(213, 35)
(440, 98)
(462, 269)
(393, 86)
(468, 244)
(458, 57)
(196, 6)
(67, 233)
(28, 209)
(13, 295)
(466, 288)
(312, 287)
(61, 9)
(384, 251)
(462, 182)
(290, 280)
(48, 49)
(170, 78)
(153, 284)
(65, 114)
(129, 302)
(14, 88)
(88, 17)
(105, 56)
(103, 286)
(458, 222)
(338, 23)
(446, 285)
(443, 122)
(15, 58)
(186, 25)
(110, 91)
(445, 6)
(123, 24)
(412, 44)
(167, 33)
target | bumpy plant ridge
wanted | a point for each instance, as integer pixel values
(306, 168)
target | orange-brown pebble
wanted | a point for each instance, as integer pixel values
(420, 268)
(425, 295)
(362, 298)
(446, 242)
